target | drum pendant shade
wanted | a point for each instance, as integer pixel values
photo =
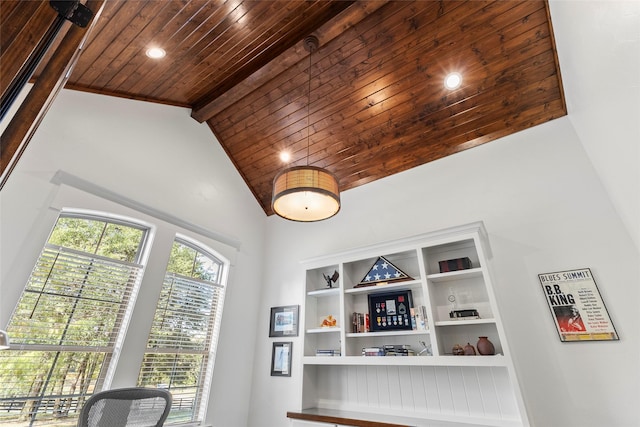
(306, 193)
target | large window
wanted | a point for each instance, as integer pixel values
(69, 322)
(181, 345)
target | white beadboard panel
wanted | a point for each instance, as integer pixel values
(383, 387)
(406, 390)
(372, 385)
(430, 385)
(508, 404)
(438, 392)
(417, 387)
(444, 391)
(472, 390)
(489, 393)
(458, 394)
(363, 387)
(352, 378)
(394, 387)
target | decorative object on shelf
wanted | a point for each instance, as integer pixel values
(454, 264)
(389, 312)
(382, 272)
(426, 350)
(485, 347)
(281, 359)
(464, 314)
(452, 299)
(469, 350)
(329, 322)
(306, 193)
(577, 306)
(457, 350)
(331, 279)
(284, 321)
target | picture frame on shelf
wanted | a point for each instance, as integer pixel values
(284, 321)
(281, 359)
(390, 311)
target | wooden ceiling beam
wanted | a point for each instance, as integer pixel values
(325, 33)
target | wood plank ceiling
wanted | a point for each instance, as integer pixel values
(374, 103)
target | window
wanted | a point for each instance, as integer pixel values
(69, 322)
(182, 343)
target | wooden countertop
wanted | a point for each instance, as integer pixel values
(354, 419)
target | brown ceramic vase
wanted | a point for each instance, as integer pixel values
(485, 347)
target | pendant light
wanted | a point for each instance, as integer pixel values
(306, 193)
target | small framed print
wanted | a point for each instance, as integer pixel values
(284, 321)
(281, 359)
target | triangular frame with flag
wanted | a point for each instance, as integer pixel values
(383, 271)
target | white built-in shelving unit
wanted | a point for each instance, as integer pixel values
(427, 389)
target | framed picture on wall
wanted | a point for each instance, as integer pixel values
(576, 306)
(281, 359)
(284, 321)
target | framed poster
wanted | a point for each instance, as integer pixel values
(281, 359)
(284, 321)
(576, 306)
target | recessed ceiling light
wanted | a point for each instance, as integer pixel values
(285, 156)
(452, 81)
(156, 53)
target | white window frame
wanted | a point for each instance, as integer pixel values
(110, 362)
(222, 281)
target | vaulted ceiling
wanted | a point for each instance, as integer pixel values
(369, 103)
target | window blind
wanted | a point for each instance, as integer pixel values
(182, 343)
(67, 322)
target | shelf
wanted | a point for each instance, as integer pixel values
(474, 390)
(369, 419)
(407, 284)
(323, 330)
(479, 361)
(387, 334)
(455, 275)
(465, 322)
(319, 293)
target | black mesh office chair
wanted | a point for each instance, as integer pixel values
(126, 407)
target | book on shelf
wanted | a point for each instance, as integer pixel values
(419, 320)
(398, 350)
(330, 352)
(360, 323)
(389, 350)
(373, 351)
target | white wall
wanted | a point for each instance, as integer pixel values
(545, 210)
(599, 51)
(158, 157)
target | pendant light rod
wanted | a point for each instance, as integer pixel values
(311, 45)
